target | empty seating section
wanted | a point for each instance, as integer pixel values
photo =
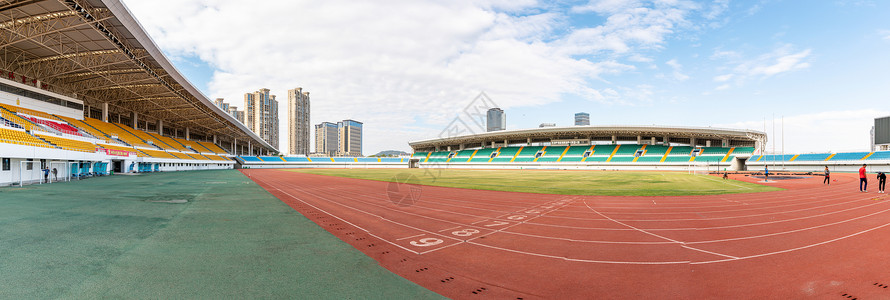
(680, 151)
(439, 156)
(19, 137)
(145, 137)
(714, 150)
(64, 128)
(742, 150)
(628, 149)
(14, 118)
(69, 144)
(483, 155)
(390, 159)
(786, 157)
(344, 159)
(528, 154)
(168, 142)
(271, 158)
(656, 150)
(8, 123)
(366, 159)
(602, 150)
(162, 154)
(296, 159)
(213, 148)
(194, 146)
(709, 158)
(81, 125)
(249, 158)
(812, 157)
(31, 112)
(880, 155)
(114, 130)
(419, 154)
(846, 156)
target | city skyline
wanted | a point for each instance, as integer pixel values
(733, 64)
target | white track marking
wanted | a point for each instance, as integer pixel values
(658, 220)
(726, 182)
(365, 230)
(656, 235)
(413, 236)
(789, 231)
(584, 260)
(450, 228)
(794, 249)
(731, 258)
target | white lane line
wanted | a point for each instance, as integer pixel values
(793, 249)
(447, 229)
(711, 228)
(584, 260)
(726, 182)
(656, 235)
(789, 231)
(413, 236)
(338, 218)
(368, 213)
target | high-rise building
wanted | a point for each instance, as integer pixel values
(326, 135)
(237, 114)
(298, 121)
(349, 138)
(261, 115)
(497, 120)
(222, 104)
(582, 119)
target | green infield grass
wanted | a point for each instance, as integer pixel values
(574, 182)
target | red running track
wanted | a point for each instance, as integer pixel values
(804, 242)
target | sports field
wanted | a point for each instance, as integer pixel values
(561, 182)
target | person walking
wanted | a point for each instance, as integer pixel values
(882, 180)
(46, 174)
(827, 176)
(863, 182)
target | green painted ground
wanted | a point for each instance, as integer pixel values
(605, 183)
(105, 238)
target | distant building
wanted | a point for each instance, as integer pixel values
(298, 121)
(582, 119)
(880, 136)
(496, 120)
(237, 114)
(547, 125)
(349, 138)
(261, 115)
(326, 135)
(222, 104)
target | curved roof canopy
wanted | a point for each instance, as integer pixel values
(596, 133)
(95, 51)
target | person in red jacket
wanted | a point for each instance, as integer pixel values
(863, 183)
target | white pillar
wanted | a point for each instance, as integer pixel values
(161, 127)
(187, 134)
(639, 139)
(708, 143)
(214, 139)
(692, 142)
(653, 141)
(105, 112)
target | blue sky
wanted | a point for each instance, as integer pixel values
(821, 66)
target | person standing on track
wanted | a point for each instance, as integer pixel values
(882, 180)
(827, 176)
(863, 182)
(765, 173)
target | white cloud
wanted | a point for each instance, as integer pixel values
(723, 78)
(678, 68)
(629, 25)
(783, 59)
(405, 68)
(834, 131)
(885, 34)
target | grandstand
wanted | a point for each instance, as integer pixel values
(101, 94)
